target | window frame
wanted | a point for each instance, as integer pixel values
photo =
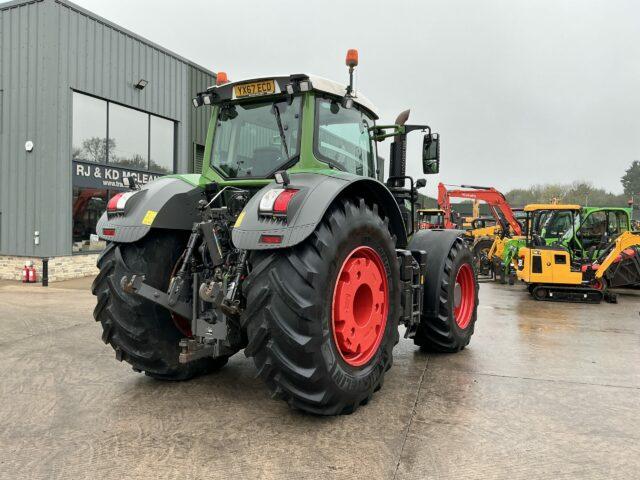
(331, 162)
(149, 115)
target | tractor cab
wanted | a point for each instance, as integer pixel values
(595, 229)
(429, 218)
(297, 122)
(548, 223)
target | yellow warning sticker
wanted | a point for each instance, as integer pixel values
(149, 217)
(239, 219)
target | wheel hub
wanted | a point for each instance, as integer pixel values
(464, 295)
(360, 306)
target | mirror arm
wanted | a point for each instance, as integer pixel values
(381, 132)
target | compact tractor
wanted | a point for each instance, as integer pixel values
(429, 218)
(288, 245)
(577, 254)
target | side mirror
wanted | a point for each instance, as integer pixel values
(421, 183)
(431, 153)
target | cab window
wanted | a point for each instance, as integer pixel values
(557, 224)
(617, 223)
(593, 229)
(342, 139)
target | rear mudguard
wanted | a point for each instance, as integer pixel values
(437, 244)
(307, 208)
(169, 203)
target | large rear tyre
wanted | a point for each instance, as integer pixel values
(451, 329)
(322, 317)
(142, 333)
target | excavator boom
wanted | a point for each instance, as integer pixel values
(500, 209)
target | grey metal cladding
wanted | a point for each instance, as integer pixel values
(174, 200)
(49, 48)
(306, 210)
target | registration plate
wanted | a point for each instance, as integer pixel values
(264, 87)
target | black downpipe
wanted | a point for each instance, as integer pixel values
(45, 272)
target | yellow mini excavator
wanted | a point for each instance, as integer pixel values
(559, 272)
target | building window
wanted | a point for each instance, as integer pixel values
(111, 142)
(163, 140)
(89, 129)
(128, 137)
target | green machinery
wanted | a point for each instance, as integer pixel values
(290, 245)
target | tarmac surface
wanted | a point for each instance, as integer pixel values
(545, 390)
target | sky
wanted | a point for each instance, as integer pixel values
(521, 92)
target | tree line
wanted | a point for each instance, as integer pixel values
(580, 192)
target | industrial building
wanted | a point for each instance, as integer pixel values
(83, 103)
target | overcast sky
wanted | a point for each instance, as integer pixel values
(521, 92)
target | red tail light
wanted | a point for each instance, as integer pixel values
(118, 201)
(108, 232)
(112, 206)
(276, 201)
(272, 239)
(281, 203)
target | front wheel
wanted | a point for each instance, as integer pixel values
(322, 317)
(451, 328)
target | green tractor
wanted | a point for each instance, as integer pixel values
(289, 246)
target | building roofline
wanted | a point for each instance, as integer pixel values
(16, 3)
(115, 26)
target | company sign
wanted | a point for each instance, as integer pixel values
(90, 175)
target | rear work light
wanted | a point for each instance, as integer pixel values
(276, 201)
(118, 202)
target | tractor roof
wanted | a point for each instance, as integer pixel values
(550, 206)
(319, 84)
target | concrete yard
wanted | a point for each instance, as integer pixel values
(545, 390)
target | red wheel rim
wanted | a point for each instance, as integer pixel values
(464, 296)
(360, 306)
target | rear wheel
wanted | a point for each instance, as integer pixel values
(322, 317)
(451, 329)
(481, 256)
(142, 333)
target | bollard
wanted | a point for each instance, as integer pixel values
(45, 272)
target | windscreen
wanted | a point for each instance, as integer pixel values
(256, 139)
(432, 218)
